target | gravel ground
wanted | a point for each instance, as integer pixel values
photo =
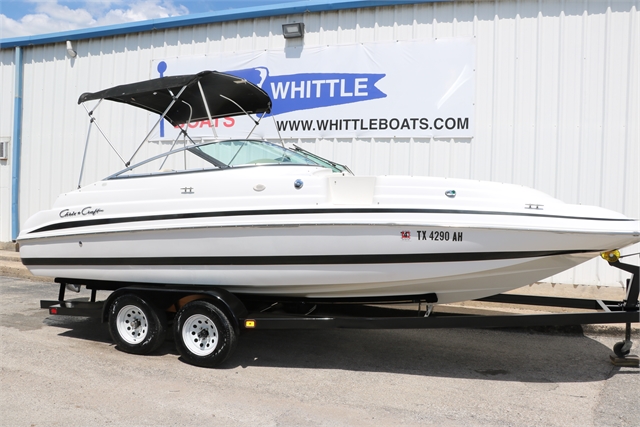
(65, 371)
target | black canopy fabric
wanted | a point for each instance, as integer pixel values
(154, 95)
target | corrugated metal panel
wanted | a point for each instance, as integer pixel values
(557, 98)
(7, 59)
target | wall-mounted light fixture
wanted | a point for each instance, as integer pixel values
(70, 51)
(4, 149)
(292, 31)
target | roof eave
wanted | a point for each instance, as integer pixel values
(202, 18)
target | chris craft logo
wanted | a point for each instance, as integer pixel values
(305, 91)
(83, 212)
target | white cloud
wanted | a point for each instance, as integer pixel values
(141, 11)
(59, 13)
(52, 17)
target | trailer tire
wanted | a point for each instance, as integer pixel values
(135, 325)
(204, 335)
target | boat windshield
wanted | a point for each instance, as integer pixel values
(247, 152)
(225, 154)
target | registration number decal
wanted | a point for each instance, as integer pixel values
(440, 235)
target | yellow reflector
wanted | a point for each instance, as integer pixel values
(611, 256)
(249, 323)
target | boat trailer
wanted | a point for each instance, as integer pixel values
(207, 320)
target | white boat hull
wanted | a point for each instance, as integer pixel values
(329, 255)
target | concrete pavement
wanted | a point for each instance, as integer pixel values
(65, 371)
(11, 266)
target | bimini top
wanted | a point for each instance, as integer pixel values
(208, 94)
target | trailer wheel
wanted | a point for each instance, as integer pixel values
(135, 325)
(621, 349)
(204, 335)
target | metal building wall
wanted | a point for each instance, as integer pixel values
(557, 99)
(7, 58)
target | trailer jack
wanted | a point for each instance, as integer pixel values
(623, 348)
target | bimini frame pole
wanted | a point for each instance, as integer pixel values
(206, 107)
(278, 130)
(255, 122)
(182, 133)
(95, 122)
(86, 146)
(153, 129)
(92, 121)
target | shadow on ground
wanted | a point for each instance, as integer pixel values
(548, 355)
(539, 355)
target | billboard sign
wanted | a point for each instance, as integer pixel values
(400, 89)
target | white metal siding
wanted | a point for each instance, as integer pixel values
(7, 57)
(557, 99)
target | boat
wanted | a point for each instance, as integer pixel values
(259, 218)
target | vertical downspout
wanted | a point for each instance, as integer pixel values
(17, 143)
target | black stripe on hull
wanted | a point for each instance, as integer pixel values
(301, 260)
(192, 215)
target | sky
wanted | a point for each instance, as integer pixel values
(20, 18)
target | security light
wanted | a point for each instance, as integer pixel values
(292, 31)
(70, 51)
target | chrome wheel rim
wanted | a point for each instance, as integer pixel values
(200, 335)
(132, 324)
